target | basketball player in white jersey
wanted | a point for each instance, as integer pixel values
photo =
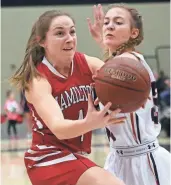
(135, 155)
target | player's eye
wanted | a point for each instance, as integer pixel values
(59, 33)
(72, 32)
(119, 23)
(106, 23)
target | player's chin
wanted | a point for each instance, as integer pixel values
(69, 55)
(69, 52)
(109, 43)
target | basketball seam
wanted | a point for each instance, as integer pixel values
(113, 84)
(137, 73)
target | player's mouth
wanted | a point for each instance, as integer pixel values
(68, 49)
(109, 35)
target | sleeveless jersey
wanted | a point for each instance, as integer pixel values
(141, 126)
(72, 95)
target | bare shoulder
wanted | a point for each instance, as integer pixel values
(94, 60)
(38, 88)
(94, 63)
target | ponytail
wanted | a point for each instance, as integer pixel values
(33, 56)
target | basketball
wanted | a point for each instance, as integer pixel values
(124, 82)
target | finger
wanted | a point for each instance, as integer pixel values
(98, 11)
(117, 122)
(106, 108)
(92, 85)
(115, 112)
(101, 13)
(123, 118)
(149, 98)
(95, 13)
(89, 24)
(96, 102)
(94, 77)
(97, 71)
(110, 120)
(90, 102)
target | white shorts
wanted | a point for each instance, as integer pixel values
(141, 169)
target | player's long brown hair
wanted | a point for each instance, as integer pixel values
(34, 52)
(136, 22)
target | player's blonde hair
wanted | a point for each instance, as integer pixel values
(136, 22)
(34, 53)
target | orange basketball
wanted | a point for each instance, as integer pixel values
(124, 82)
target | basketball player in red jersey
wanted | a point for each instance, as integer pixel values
(56, 80)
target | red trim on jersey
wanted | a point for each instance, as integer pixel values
(150, 164)
(152, 169)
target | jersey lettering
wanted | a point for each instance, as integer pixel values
(74, 95)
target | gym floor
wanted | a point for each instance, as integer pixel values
(12, 157)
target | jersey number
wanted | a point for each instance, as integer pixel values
(80, 114)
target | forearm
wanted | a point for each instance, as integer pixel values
(68, 129)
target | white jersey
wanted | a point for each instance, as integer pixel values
(135, 155)
(142, 125)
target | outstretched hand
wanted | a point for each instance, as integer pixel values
(96, 27)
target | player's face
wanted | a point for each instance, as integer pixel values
(61, 38)
(11, 96)
(117, 27)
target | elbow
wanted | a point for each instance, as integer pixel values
(62, 134)
(58, 130)
(59, 133)
(56, 127)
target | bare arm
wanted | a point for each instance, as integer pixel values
(94, 63)
(48, 109)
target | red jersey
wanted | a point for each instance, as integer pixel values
(72, 95)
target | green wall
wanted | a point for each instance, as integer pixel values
(17, 22)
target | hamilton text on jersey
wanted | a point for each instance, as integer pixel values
(74, 95)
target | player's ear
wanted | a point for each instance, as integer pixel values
(42, 45)
(40, 42)
(134, 33)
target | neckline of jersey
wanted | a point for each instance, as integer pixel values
(54, 71)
